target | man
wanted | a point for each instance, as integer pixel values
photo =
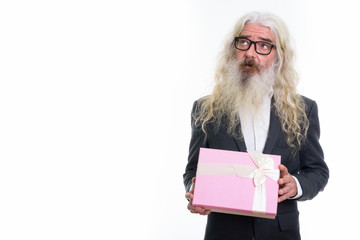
(255, 106)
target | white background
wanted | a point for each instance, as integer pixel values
(95, 101)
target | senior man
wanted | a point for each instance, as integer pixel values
(255, 106)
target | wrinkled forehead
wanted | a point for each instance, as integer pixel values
(256, 31)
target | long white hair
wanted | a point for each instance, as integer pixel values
(289, 105)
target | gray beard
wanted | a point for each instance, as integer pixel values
(248, 92)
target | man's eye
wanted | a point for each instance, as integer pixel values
(264, 46)
(244, 42)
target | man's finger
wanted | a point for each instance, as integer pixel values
(189, 196)
(284, 180)
(201, 211)
(284, 190)
(282, 198)
(283, 170)
(193, 179)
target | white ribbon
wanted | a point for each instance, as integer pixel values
(264, 168)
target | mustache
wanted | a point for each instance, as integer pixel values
(249, 62)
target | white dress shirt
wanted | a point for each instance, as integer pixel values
(255, 129)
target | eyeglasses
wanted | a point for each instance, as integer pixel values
(262, 48)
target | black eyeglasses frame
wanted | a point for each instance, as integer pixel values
(253, 42)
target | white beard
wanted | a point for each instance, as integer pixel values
(248, 92)
(245, 91)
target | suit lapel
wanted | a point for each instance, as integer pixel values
(240, 143)
(274, 130)
(273, 134)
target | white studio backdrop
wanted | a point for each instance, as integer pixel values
(95, 101)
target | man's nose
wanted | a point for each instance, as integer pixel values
(251, 51)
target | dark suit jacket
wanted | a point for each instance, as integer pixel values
(307, 165)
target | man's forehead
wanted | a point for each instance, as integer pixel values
(260, 32)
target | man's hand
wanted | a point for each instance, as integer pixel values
(287, 184)
(193, 209)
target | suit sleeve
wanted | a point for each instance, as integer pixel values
(314, 173)
(198, 139)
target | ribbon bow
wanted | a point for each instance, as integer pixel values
(265, 168)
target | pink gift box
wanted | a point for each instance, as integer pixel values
(220, 188)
